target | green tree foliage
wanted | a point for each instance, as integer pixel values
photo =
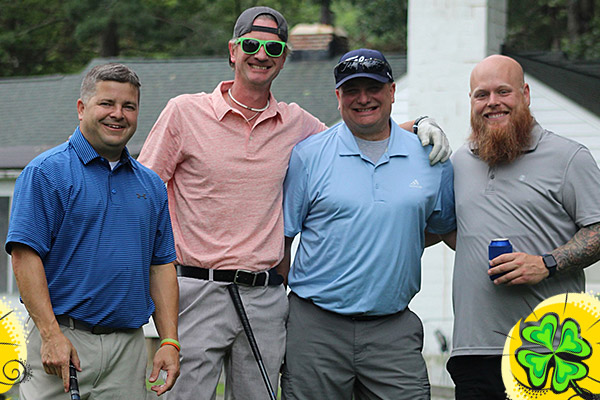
(62, 36)
(35, 38)
(378, 24)
(570, 26)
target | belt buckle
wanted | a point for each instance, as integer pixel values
(245, 277)
(102, 330)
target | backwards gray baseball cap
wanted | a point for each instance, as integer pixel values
(244, 23)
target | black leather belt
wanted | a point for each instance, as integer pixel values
(238, 276)
(72, 323)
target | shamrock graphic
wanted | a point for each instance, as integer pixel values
(564, 364)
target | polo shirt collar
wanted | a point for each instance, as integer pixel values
(349, 147)
(221, 107)
(536, 135)
(87, 153)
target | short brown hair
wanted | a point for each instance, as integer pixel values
(107, 72)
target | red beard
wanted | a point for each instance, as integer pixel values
(502, 144)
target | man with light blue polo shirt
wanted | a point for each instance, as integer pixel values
(362, 195)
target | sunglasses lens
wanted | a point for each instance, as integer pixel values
(250, 46)
(274, 49)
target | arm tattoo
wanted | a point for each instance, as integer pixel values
(581, 251)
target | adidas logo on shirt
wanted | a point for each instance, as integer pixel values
(415, 184)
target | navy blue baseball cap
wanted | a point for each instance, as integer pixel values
(362, 63)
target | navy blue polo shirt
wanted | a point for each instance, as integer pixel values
(97, 231)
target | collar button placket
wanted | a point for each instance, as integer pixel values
(490, 187)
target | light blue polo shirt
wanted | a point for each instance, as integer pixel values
(362, 224)
(97, 231)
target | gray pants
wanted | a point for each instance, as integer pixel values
(334, 357)
(212, 337)
(113, 367)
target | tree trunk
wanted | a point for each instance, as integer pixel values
(326, 14)
(109, 45)
(579, 15)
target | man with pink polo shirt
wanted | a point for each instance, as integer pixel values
(224, 156)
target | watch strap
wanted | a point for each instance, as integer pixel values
(416, 124)
(550, 263)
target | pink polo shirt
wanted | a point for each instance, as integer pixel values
(225, 177)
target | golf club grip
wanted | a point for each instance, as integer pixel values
(73, 384)
(239, 308)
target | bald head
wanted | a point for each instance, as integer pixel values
(499, 67)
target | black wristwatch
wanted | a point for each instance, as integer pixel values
(550, 263)
(416, 124)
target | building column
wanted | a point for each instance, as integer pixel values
(446, 38)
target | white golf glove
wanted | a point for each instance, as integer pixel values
(429, 132)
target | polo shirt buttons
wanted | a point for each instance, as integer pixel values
(114, 191)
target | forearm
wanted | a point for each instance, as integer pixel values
(33, 288)
(283, 268)
(581, 251)
(408, 125)
(164, 291)
(431, 239)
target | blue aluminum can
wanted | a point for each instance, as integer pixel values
(497, 247)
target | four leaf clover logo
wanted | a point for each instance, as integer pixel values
(564, 363)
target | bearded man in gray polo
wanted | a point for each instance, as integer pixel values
(514, 179)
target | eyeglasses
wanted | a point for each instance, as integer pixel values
(361, 64)
(273, 48)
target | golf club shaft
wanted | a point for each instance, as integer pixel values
(73, 384)
(239, 308)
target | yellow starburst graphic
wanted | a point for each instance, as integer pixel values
(13, 349)
(555, 352)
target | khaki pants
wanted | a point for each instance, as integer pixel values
(113, 367)
(212, 337)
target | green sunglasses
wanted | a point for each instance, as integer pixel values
(273, 48)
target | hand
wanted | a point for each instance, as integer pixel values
(429, 132)
(166, 359)
(520, 268)
(57, 352)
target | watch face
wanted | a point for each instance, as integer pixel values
(549, 261)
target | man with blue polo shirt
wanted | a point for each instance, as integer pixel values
(362, 195)
(92, 251)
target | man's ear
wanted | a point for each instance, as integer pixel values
(80, 108)
(526, 93)
(231, 45)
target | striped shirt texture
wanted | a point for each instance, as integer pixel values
(97, 231)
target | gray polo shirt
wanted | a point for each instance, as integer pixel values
(539, 202)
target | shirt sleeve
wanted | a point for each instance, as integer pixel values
(443, 219)
(311, 124)
(295, 196)
(162, 150)
(581, 189)
(164, 244)
(37, 211)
